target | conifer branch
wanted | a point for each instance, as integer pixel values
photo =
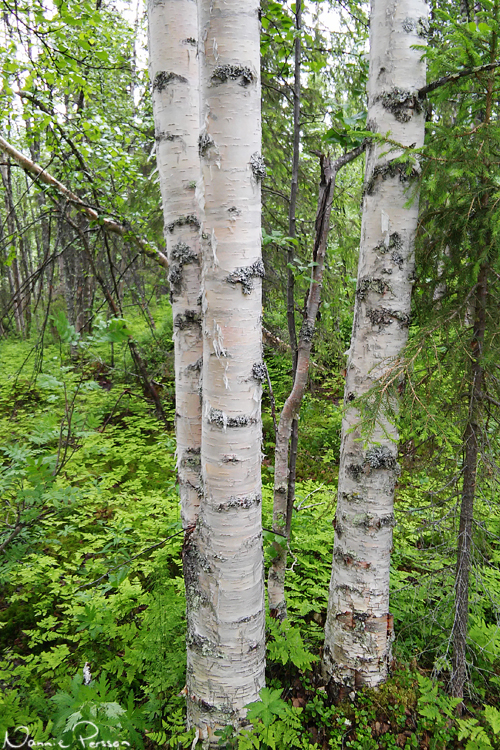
(452, 77)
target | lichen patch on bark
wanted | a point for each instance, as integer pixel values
(164, 77)
(246, 275)
(230, 72)
(182, 221)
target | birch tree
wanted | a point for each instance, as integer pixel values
(223, 564)
(174, 75)
(359, 628)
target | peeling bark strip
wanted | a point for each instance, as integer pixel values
(226, 651)
(358, 630)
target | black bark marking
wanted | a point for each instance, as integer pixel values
(183, 221)
(189, 319)
(370, 284)
(217, 417)
(380, 457)
(258, 166)
(406, 171)
(259, 372)
(247, 501)
(205, 143)
(163, 78)
(228, 72)
(401, 102)
(246, 275)
(384, 317)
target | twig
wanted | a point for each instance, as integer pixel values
(125, 562)
(452, 77)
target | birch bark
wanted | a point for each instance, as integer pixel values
(223, 555)
(358, 630)
(174, 74)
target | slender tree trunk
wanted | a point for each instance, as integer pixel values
(226, 649)
(281, 507)
(14, 275)
(471, 444)
(174, 72)
(359, 628)
(292, 233)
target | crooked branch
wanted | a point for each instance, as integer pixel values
(41, 174)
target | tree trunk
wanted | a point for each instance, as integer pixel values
(223, 556)
(471, 453)
(173, 34)
(13, 272)
(292, 233)
(282, 509)
(358, 631)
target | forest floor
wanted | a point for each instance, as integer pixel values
(92, 575)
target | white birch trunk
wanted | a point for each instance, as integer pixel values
(174, 74)
(358, 631)
(226, 649)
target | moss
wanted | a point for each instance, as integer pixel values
(397, 259)
(204, 646)
(163, 78)
(228, 72)
(175, 280)
(351, 497)
(258, 166)
(246, 275)
(423, 27)
(191, 458)
(354, 471)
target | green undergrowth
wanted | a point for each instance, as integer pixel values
(93, 581)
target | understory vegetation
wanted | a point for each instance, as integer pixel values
(93, 577)
(92, 604)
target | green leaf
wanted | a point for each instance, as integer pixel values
(492, 715)
(270, 707)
